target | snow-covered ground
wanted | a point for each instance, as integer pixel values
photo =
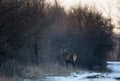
(114, 66)
(89, 76)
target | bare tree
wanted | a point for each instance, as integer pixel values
(21, 26)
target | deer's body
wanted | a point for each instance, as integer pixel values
(70, 59)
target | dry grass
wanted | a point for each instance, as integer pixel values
(31, 72)
(44, 70)
(14, 78)
(53, 70)
(34, 72)
(37, 72)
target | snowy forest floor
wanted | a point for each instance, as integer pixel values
(88, 76)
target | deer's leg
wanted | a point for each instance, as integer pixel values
(67, 65)
(73, 64)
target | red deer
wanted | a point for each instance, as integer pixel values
(70, 59)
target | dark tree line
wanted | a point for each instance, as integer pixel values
(88, 34)
(95, 37)
(22, 23)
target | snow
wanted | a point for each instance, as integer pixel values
(88, 76)
(114, 66)
(114, 75)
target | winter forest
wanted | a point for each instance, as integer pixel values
(34, 35)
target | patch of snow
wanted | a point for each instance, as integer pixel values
(85, 74)
(113, 62)
(114, 66)
(114, 75)
(108, 79)
(78, 79)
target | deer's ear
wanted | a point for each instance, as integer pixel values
(64, 50)
(77, 54)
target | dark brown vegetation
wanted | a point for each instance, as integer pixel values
(94, 34)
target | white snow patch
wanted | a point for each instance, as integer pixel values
(113, 62)
(114, 75)
(108, 79)
(85, 74)
(114, 66)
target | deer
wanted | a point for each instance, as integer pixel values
(70, 59)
